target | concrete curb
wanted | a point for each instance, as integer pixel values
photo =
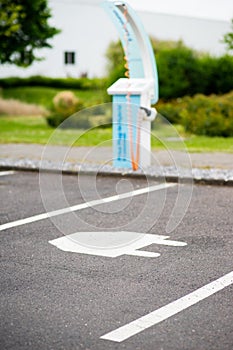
(214, 177)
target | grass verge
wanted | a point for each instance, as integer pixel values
(35, 130)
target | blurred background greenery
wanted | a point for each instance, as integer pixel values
(196, 95)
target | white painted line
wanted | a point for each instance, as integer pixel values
(5, 173)
(157, 316)
(85, 205)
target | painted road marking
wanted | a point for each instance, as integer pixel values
(5, 173)
(157, 316)
(81, 206)
(112, 244)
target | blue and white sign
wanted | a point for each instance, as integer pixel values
(135, 42)
(133, 96)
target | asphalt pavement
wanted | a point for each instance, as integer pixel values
(182, 282)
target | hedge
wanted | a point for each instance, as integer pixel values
(64, 83)
(202, 115)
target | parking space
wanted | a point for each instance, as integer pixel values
(154, 290)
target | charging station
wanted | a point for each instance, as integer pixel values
(132, 118)
(133, 96)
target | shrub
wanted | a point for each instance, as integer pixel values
(171, 110)
(178, 71)
(63, 83)
(65, 104)
(65, 108)
(203, 115)
(209, 115)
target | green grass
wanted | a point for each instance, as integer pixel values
(24, 130)
(36, 130)
(194, 143)
(197, 143)
(43, 96)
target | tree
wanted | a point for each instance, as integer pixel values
(24, 28)
(178, 71)
(228, 38)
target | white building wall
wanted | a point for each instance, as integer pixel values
(87, 30)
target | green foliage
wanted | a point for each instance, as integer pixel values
(10, 15)
(211, 116)
(63, 83)
(178, 71)
(200, 114)
(228, 38)
(74, 122)
(24, 28)
(216, 75)
(182, 71)
(115, 62)
(171, 110)
(66, 107)
(42, 96)
(65, 104)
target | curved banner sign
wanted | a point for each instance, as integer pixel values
(135, 42)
